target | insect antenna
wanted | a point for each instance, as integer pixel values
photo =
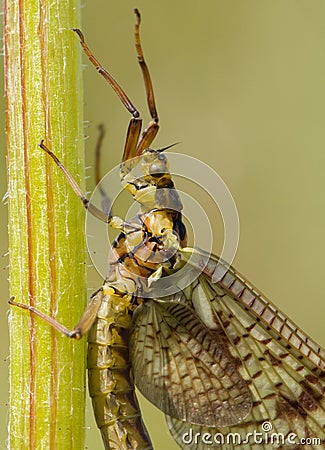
(160, 150)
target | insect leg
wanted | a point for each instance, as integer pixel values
(108, 77)
(106, 201)
(132, 139)
(113, 221)
(135, 124)
(83, 325)
(150, 132)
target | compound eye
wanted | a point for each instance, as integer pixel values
(158, 168)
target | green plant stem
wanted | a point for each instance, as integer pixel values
(46, 236)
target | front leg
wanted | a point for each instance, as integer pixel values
(83, 325)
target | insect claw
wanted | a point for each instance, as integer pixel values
(137, 13)
(47, 150)
(11, 301)
(79, 33)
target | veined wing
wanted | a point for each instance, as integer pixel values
(184, 368)
(282, 366)
(225, 278)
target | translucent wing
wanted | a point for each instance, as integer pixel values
(184, 368)
(283, 367)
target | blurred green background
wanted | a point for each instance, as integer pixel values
(241, 86)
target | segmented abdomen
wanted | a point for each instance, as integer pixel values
(111, 384)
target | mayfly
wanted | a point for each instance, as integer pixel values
(216, 356)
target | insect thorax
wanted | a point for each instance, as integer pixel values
(151, 244)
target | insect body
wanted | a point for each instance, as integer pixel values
(215, 356)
